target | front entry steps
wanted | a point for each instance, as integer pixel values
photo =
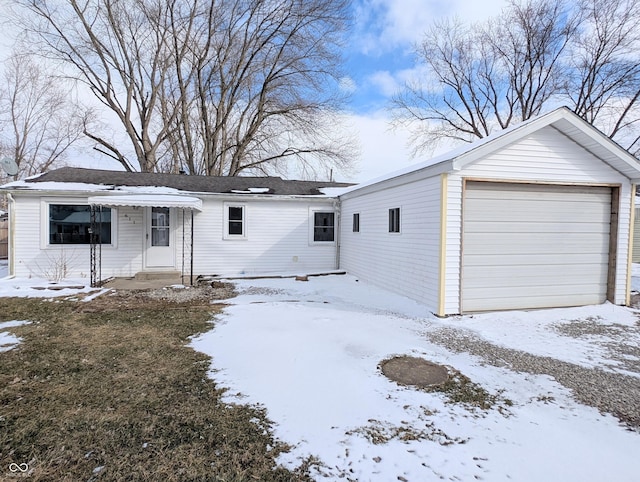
(157, 275)
(146, 280)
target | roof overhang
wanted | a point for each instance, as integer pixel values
(148, 200)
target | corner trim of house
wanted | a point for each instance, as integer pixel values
(443, 245)
(632, 216)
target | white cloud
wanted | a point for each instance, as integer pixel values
(386, 83)
(384, 25)
(383, 150)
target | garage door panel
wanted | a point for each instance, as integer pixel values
(503, 292)
(508, 214)
(500, 276)
(523, 244)
(533, 227)
(543, 260)
(537, 301)
(541, 243)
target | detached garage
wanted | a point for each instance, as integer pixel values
(537, 216)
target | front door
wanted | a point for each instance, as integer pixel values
(159, 252)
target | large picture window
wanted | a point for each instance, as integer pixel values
(323, 227)
(71, 224)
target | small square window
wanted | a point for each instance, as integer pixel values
(394, 220)
(356, 222)
(323, 227)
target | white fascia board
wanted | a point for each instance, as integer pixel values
(400, 179)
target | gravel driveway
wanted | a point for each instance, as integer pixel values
(609, 391)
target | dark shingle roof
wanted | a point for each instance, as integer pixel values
(204, 184)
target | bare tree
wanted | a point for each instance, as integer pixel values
(605, 87)
(39, 124)
(261, 73)
(211, 87)
(117, 48)
(533, 57)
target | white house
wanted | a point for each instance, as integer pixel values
(536, 216)
(169, 223)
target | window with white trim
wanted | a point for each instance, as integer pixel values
(235, 221)
(71, 224)
(323, 227)
(394, 220)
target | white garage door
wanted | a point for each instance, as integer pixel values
(534, 246)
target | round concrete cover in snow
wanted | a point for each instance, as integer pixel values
(415, 371)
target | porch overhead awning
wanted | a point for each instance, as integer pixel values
(148, 200)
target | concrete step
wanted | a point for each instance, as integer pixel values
(157, 275)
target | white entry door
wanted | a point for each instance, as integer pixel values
(159, 252)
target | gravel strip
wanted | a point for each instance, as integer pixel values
(609, 392)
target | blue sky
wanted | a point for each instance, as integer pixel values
(379, 59)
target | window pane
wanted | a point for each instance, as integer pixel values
(71, 224)
(159, 236)
(323, 228)
(160, 217)
(235, 227)
(356, 222)
(235, 213)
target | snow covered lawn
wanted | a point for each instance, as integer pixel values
(309, 352)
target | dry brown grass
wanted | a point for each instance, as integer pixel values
(112, 384)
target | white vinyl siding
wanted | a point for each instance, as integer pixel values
(407, 264)
(278, 240)
(34, 257)
(534, 246)
(636, 236)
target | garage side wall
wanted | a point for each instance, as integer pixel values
(546, 156)
(406, 262)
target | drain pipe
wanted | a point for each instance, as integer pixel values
(338, 224)
(11, 242)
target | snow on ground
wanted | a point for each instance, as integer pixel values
(42, 288)
(536, 332)
(309, 353)
(9, 340)
(4, 268)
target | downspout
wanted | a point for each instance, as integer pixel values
(632, 218)
(191, 270)
(183, 246)
(336, 208)
(11, 242)
(442, 271)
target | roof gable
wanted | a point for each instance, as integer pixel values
(562, 119)
(569, 124)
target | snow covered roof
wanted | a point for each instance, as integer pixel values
(562, 119)
(91, 180)
(149, 200)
